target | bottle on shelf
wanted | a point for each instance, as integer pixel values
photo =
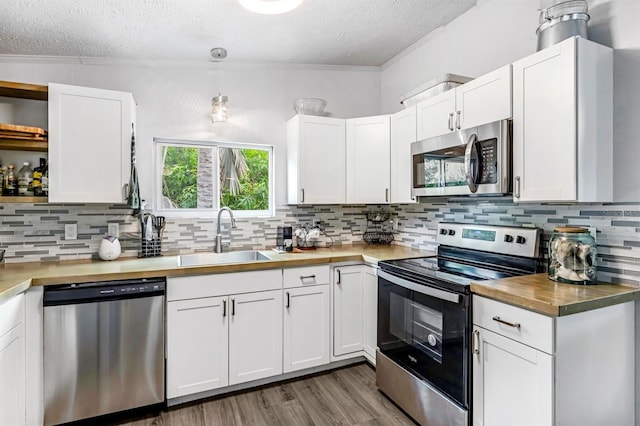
(11, 188)
(25, 180)
(45, 180)
(37, 179)
(1, 181)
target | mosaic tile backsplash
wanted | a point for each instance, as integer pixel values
(31, 233)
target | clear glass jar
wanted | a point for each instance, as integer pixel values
(572, 256)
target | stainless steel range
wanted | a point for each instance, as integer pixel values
(424, 316)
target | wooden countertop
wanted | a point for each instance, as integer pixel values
(540, 294)
(17, 277)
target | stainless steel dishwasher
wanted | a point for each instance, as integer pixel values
(103, 348)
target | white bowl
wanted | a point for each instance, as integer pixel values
(310, 106)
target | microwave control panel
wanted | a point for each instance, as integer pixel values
(489, 161)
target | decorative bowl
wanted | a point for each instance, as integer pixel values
(310, 106)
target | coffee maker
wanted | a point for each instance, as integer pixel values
(284, 239)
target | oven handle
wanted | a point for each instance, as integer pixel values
(422, 289)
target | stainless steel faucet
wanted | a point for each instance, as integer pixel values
(218, 248)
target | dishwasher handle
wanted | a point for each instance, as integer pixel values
(68, 294)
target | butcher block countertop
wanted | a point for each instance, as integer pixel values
(17, 277)
(540, 294)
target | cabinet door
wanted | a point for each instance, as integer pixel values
(316, 160)
(12, 377)
(197, 345)
(435, 116)
(485, 99)
(403, 134)
(348, 305)
(368, 162)
(255, 336)
(89, 144)
(307, 334)
(370, 312)
(544, 125)
(512, 382)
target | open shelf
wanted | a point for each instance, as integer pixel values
(29, 200)
(13, 89)
(35, 144)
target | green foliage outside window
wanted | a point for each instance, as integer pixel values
(254, 184)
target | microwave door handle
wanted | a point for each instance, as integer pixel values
(470, 170)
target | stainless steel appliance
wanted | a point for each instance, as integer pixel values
(466, 162)
(424, 316)
(103, 348)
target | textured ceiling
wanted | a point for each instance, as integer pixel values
(334, 32)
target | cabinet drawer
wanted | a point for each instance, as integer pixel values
(181, 288)
(530, 328)
(11, 313)
(306, 275)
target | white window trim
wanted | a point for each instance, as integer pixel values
(205, 213)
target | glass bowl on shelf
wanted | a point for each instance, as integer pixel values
(310, 106)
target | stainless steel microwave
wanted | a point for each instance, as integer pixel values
(466, 162)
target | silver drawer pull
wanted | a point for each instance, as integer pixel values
(308, 277)
(510, 324)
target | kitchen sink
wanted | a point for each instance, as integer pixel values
(210, 258)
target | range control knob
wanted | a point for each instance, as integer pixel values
(432, 340)
(520, 239)
(443, 231)
(508, 238)
(452, 232)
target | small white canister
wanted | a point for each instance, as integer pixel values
(109, 248)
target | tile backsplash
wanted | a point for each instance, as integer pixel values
(35, 232)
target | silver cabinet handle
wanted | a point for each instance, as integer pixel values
(233, 307)
(510, 324)
(302, 195)
(339, 277)
(516, 190)
(450, 123)
(288, 300)
(224, 308)
(125, 188)
(458, 113)
(386, 195)
(475, 343)
(307, 277)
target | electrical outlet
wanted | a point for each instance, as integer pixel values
(393, 223)
(114, 229)
(71, 231)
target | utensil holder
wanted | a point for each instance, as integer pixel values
(150, 248)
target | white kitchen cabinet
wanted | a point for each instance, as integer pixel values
(89, 144)
(480, 101)
(12, 362)
(307, 333)
(316, 158)
(403, 134)
(348, 306)
(255, 336)
(368, 167)
(370, 276)
(562, 123)
(532, 369)
(197, 345)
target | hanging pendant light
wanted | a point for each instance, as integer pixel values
(219, 107)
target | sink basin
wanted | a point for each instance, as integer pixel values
(209, 258)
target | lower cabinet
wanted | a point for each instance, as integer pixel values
(370, 313)
(307, 333)
(348, 307)
(12, 362)
(533, 369)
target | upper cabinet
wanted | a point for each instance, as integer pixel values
(89, 144)
(316, 153)
(483, 100)
(562, 124)
(368, 174)
(403, 134)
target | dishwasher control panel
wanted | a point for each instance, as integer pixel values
(103, 291)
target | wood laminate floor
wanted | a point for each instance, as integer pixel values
(347, 396)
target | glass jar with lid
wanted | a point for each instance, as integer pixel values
(572, 256)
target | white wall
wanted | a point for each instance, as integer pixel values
(497, 32)
(174, 101)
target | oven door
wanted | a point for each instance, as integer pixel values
(426, 330)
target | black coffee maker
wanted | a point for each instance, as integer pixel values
(284, 238)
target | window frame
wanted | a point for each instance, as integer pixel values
(158, 143)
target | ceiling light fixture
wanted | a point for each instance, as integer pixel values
(219, 107)
(270, 7)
